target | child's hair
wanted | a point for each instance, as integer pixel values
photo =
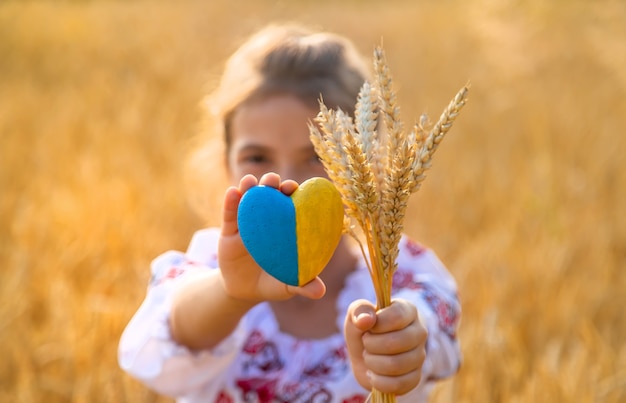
(280, 59)
(289, 59)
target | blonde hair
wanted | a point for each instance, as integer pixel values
(280, 59)
(289, 59)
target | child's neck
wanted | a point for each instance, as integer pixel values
(317, 319)
(307, 319)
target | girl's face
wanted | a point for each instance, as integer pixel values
(272, 135)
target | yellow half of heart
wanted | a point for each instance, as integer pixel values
(319, 224)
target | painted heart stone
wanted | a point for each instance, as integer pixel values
(292, 237)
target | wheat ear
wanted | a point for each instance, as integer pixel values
(376, 166)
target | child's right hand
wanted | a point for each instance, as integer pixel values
(242, 278)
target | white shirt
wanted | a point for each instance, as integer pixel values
(259, 363)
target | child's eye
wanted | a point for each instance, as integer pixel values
(255, 159)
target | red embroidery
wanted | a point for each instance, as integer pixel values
(224, 397)
(173, 273)
(414, 248)
(355, 399)
(263, 389)
(254, 343)
(332, 366)
(304, 392)
(264, 382)
(214, 256)
(263, 354)
(404, 279)
(447, 314)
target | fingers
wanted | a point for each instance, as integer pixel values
(272, 179)
(396, 342)
(229, 214)
(288, 187)
(231, 204)
(398, 385)
(247, 182)
(396, 316)
(388, 345)
(396, 364)
(397, 330)
(233, 196)
(394, 349)
(314, 289)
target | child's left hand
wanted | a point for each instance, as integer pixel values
(386, 348)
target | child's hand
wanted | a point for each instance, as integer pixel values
(242, 277)
(386, 348)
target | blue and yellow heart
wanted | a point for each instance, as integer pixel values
(292, 237)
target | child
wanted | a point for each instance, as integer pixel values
(215, 328)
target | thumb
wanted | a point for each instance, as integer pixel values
(362, 314)
(360, 318)
(314, 289)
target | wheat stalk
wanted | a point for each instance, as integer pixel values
(376, 173)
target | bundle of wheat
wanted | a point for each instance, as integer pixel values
(376, 166)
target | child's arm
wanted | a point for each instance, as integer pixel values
(206, 311)
(386, 348)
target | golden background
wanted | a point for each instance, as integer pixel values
(525, 203)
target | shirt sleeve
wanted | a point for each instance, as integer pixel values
(422, 279)
(147, 350)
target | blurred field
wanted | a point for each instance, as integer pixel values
(525, 202)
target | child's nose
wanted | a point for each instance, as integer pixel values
(294, 173)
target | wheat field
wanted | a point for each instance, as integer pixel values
(525, 202)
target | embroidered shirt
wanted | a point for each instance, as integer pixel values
(259, 363)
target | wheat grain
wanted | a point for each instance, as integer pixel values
(432, 141)
(375, 173)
